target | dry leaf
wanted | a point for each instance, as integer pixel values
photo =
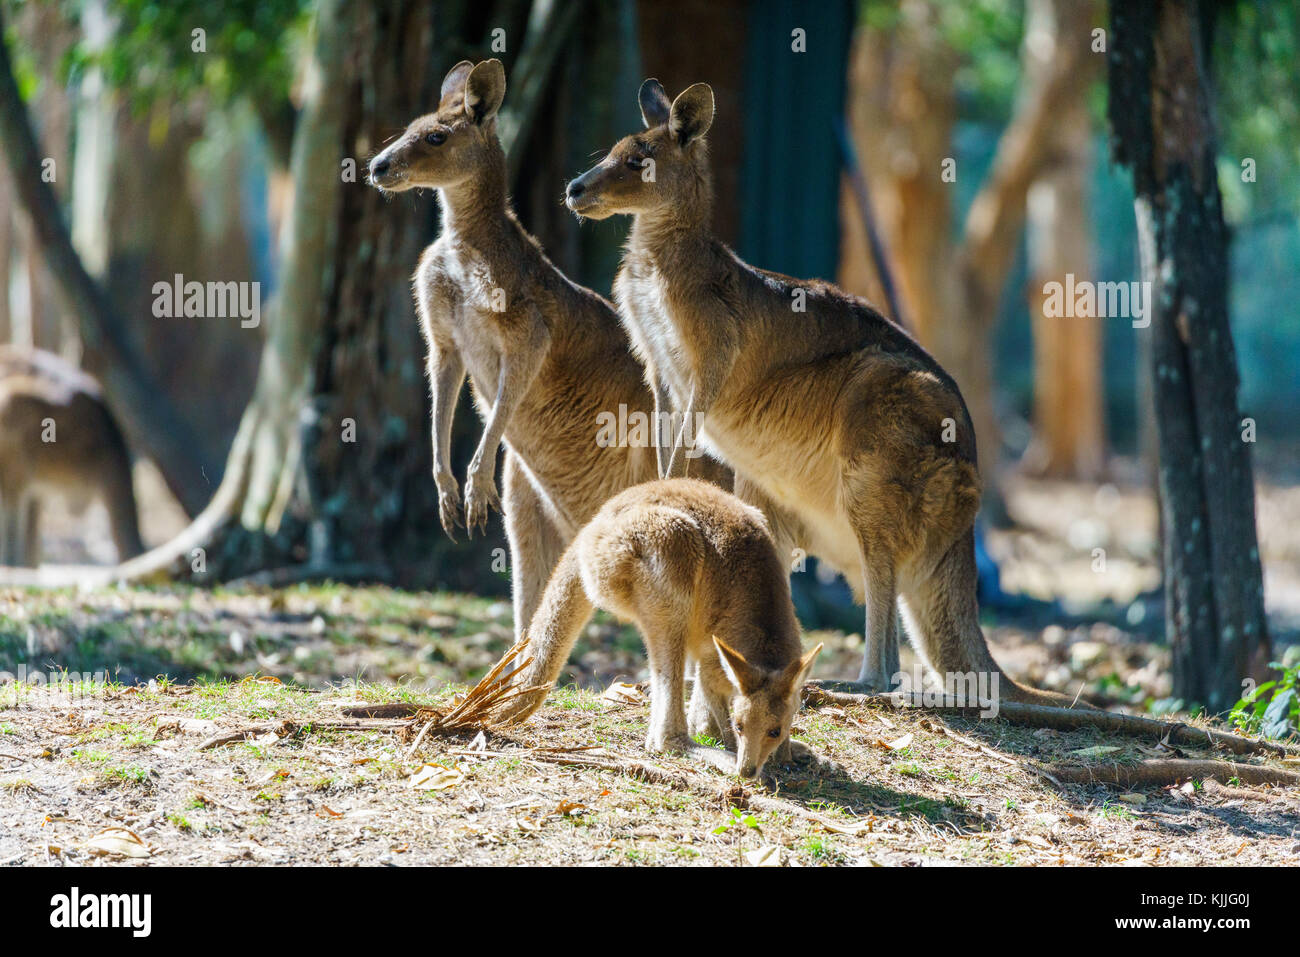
(436, 777)
(767, 856)
(119, 841)
(898, 744)
(568, 808)
(1096, 751)
(1132, 798)
(621, 693)
(327, 812)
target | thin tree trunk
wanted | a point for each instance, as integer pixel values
(1069, 425)
(1160, 112)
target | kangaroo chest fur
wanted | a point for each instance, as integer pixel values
(641, 291)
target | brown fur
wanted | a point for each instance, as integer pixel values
(542, 368)
(833, 417)
(88, 458)
(697, 571)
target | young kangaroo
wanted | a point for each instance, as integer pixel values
(697, 571)
(856, 443)
(57, 437)
(546, 357)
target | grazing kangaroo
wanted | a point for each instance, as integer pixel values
(58, 437)
(856, 443)
(546, 357)
(697, 571)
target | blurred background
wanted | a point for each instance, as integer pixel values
(227, 142)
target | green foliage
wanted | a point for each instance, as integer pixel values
(741, 819)
(1256, 72)
(248, 48)
(1272, 709)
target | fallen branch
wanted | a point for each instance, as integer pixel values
(284, 729)
(1061, 719)
(1162, 772)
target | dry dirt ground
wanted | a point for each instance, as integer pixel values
(121, 775)
(115, 774)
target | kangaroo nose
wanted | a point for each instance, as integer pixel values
(379, 167)
(575, 190)
(749, 771)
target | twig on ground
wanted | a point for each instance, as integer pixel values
(1061, 719)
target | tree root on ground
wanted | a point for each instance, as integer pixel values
(1162, 772)
(1061, 719)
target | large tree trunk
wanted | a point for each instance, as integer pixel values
(1160, 112)
(1068, 416)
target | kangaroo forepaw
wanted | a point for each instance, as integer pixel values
(449, 505)
(480, 499)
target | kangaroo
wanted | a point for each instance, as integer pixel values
(851, 437)
(58, 437)
(546, 357)
(697, 571)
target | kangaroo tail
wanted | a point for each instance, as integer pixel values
(551, 635)
(944, 613)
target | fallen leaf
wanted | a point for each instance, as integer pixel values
(118, 841)
(197, 726)
(898, 744)
(436, 777)
(327, 812)
(1132, 798)
(767, 856)
(1096, 751)
(568, 808)
(621, 693)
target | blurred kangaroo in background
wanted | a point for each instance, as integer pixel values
(844, 430)
(57, 437)
(545, 356)
(697, 571)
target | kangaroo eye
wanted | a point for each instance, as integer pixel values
(436, 138)
(774, 733)
(635, 162)
(740, 728)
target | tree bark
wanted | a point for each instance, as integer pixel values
(1160, 114)
(1068, 415)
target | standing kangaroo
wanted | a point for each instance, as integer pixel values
(697, 571)
(856, 443)
(58, 437)
(546, 357)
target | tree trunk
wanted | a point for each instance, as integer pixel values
(1068, 416)
(1160, 113)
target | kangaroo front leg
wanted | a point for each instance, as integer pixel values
(520, 362)
(446, 375)
(704, 392)
(666, 648)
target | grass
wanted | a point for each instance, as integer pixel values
(171, 676)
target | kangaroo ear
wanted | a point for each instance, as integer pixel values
(485, 88)
(454, 81)
(655, 104)
(692, 113)
(744, 676)
(797, 672)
